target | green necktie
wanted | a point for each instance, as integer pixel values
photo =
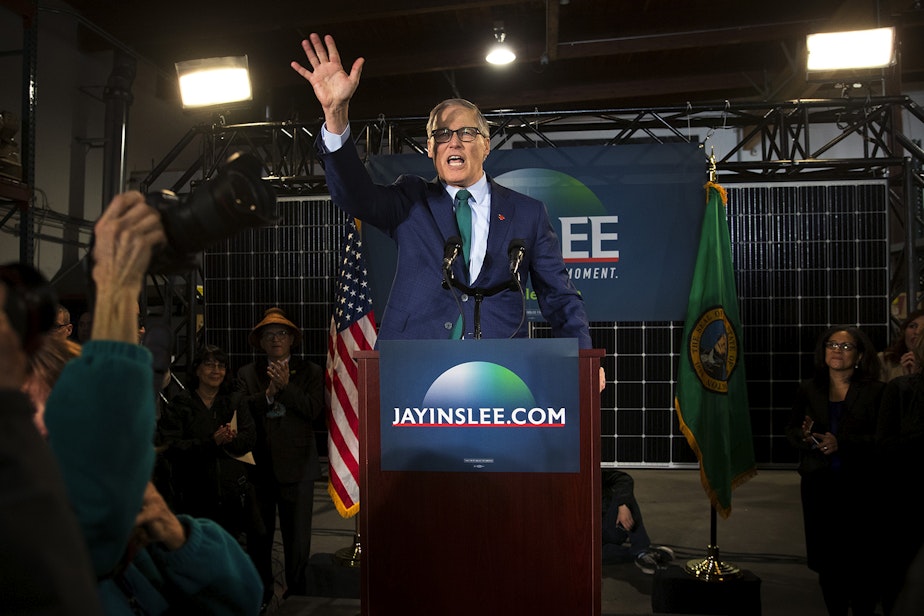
(464, 220)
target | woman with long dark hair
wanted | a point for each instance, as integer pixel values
(833, 424)
(898, 358)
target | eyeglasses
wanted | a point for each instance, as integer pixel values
(211, 365)
(466, 134)
(844, 346)
(58, 326)
(275, 335)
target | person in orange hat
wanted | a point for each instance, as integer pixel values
(284, 394)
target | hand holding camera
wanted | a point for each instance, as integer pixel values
(125, 237)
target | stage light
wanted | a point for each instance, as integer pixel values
(214, 81)
(856, 50)
(500, 53)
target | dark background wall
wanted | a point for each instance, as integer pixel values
(806, 256)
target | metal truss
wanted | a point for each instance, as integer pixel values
(783, 133)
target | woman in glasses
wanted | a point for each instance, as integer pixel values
(206, 437)
(833, 424)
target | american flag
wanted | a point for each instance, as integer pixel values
(352, 327)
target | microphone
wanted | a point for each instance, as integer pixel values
(451, 250)
(515, 252)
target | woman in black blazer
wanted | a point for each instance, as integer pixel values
(833, 424)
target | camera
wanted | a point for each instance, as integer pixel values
(31, 303)
(237, 198)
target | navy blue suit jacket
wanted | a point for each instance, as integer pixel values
(418, 215)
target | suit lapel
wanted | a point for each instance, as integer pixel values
(500, 223)
(441, 209)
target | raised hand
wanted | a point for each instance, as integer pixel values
(333, 87)
(125, 236)
(909, 363)
(124, 239)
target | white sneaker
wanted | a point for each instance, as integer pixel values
(647, 562)
(662, 554)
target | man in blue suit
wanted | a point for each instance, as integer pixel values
(420, 217)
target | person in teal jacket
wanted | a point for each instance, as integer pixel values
(100, 420)
(179, 564)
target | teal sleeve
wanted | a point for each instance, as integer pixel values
(210, 574)
(100, 419)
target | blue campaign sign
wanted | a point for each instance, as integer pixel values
(628, 219)
(480, 405)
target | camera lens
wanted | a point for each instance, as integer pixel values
(237, 198)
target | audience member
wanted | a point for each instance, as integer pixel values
(100, 418)
(285, 394)
(624, 534)
(84, 327)
(898, 359)
(833, 424)
(45, 366)
(45, 567)
(204, 432)
(900, 439)
(63, 328)
(420, 216)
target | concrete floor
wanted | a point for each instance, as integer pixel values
(763, 536)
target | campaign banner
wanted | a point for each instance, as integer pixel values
(480, 405)
(628, 219)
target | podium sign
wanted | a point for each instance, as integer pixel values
(480, 405)
(479, 539)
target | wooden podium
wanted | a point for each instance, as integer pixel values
(480, 543)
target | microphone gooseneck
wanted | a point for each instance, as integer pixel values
(451, 250)
(515, 252)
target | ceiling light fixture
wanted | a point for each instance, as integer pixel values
(214, 81)
(856, 50)
(500, 53)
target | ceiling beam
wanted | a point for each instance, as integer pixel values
(673, 41)
(551, 30)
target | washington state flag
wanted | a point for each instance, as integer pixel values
(711, 396)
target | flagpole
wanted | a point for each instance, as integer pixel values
(352, 328)
(351, 556)
(702, 388)
(711, 568)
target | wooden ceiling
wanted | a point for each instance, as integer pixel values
(577, 54)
